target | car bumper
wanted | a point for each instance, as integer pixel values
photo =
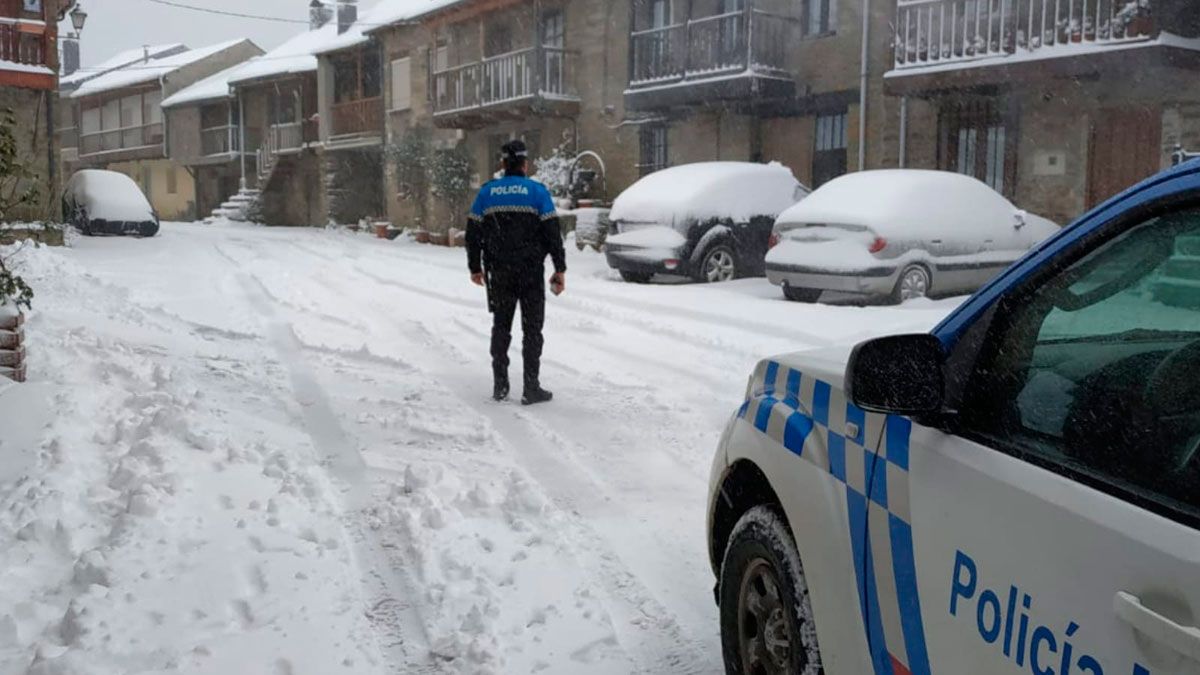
(646, 261)
(147, 228)
(879, 280)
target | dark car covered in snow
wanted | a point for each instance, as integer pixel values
(710, 220)
(107, 202)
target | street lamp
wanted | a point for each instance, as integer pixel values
(78, 17)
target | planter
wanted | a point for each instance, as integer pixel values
(439, 238)
(15, 374)
(459, 239)
(12, 339)
(12, 358)
(1139, 26)
(394, 232)
(9, 321)
(381, 230)
(422, 236)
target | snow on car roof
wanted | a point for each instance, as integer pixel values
(141, 72)
(895, 202)
(736, 190)
(109, 195)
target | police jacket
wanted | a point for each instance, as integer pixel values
(513, 226)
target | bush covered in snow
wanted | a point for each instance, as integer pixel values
(450, 173)
(410, 156)
(17, 189)
(554, 171)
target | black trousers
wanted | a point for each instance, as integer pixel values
(529, 291)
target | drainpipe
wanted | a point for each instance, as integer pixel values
(862, 86)
(904, 132)
(242, 134)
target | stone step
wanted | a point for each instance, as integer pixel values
(12, 358)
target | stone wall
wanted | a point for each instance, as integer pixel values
(37, 149)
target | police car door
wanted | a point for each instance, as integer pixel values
(1055, 517)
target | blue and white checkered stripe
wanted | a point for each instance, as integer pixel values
(812, 419)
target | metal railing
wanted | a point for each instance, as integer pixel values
(126, 138)
(17, 46)
(947, 31)
(358, 116)
(736, 41)
(220, 140)
(525, 73)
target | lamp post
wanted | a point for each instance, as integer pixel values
(70, 45)
(78, 18)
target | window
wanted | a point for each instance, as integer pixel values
(820, 17)
(371, 70)
(1092, 371)
(553, 29)
(653, 143)
(33, 6)
(402, 84)
(499, 40)
(976, 142)
(439, 61)
(345, 79)
(829, 154)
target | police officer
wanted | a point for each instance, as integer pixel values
(512, 227)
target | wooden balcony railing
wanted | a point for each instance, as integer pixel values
(547, 72)
(363, 116)
(17, 46)
(127, 138)
(737, 41)
(948, 31)
(220, 140)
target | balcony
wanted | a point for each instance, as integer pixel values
(142, 137)
(362, 117)
(949, 43)
(735, 56)
(221, 140)
(538, 80)
(18, 46)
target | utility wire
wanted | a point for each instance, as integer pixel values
(240, 15)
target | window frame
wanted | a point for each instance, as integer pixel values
(981, 340)
(982, 116)
(836, 137)
(826, 24)
(653, 155)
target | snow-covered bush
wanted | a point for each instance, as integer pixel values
(17, 188)
(450, 174)
(410, 157)
(554, 171)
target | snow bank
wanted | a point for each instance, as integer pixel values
(707, 190)
(918, 205)
(108, 195)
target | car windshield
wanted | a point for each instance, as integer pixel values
(368, 337)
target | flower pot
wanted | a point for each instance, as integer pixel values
(1139, 26)
(394, 232)
(460, 238)
(381, 230)
(12, 339)
(10, 318)
(422, 236)
(439, 238)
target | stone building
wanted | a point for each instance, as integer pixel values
(1057, 105)
(28, 82)
(122, 128)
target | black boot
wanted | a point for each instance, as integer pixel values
(536, 395)
(500, 389)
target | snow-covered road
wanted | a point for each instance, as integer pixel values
(259, 451)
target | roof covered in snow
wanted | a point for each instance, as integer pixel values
(296, 55)
(389, 12)
(142, 72)
(210, 88)
(906, 203)
(736, 190)
(120, 60)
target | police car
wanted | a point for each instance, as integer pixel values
(1018, 491)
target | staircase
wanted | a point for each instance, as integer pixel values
(245, 201)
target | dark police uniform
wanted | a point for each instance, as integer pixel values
(512, 227)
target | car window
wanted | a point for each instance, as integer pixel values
(1093, 370)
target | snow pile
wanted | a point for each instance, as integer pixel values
(709, 190)
(109, 195)
(139, 72)
(658, 241)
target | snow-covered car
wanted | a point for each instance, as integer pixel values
(709, 220)
(107, 202)
(899, 234)
(1014, 492)
(591, 227)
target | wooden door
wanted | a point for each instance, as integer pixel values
(1125, 147)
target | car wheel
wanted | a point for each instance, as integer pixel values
(801, 294)
(766, 617)
(914, 282)
(635, 277)
(718, 264)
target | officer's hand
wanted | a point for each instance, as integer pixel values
(477, 278)
(558, 283)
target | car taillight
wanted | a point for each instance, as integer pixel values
(878, 245)
(774, 240)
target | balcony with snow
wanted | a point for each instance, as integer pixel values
(950, 44)
(504, 64)
(739, 51)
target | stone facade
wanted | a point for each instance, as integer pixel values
(37, 148)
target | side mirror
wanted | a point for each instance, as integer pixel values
(900, 374)
(1019, 219)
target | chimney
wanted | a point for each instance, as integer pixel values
(145, 53)
(70, 56)
(347, 14)
(319, 14)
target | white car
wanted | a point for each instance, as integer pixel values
(899, 234)
(99, 202)
(1017, 492)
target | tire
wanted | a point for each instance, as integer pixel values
(801, 294)
(718, 264)
(635, 277)
(761, 562)
(914, 282)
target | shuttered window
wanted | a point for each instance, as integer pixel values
(402, 84)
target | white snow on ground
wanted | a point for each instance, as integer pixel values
(261, 451)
